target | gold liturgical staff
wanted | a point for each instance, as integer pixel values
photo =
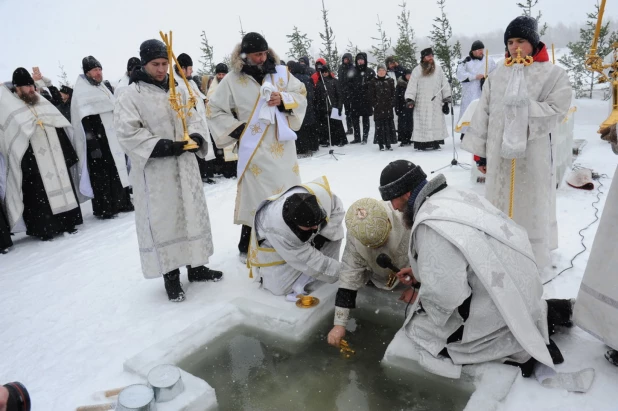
(175, 97)
(594, 62)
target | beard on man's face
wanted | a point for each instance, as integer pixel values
(30, 98)
(428, 67)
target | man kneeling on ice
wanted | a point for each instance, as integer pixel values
(481, 294)
(296, 239)
(376, 236)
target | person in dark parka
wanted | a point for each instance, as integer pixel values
(360, 104)
(307, 141)
(404, 113)
(347, 64)
(328, 96)
(382, 95)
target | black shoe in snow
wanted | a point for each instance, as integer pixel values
(389, 148)
(46, 237)
(363, 143)
(203, 273)
(4, 251)
(106, 216)
(355, 142)
(381, 148)
(71, 231)
(128, 208)
(612, 357)
(173, 286)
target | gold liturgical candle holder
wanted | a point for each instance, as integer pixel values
(345, 349)
(526, 61)
(306, 301)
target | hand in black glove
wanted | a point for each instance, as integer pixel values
(482, 82)
(445, 108)
(199, 140)
(410, 104)
(339, 111)
(168, 148)
(319, 241)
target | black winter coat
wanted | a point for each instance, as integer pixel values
(400, 99)
(301, 74)
(382, 93)
(344, 80)
(322, 104)
(398, 70)
(359, 79)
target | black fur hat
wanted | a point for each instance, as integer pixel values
(523, 27)
(184, 60)
(89, 63)
(477, 45)
(152, 50)
(21, 77)
(426, 52)
(400, 177)
(132, 63)
(253, 43)
(221, 68)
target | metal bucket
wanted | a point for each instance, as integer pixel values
(165, 382)
(137, 397)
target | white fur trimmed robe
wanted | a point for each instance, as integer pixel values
(273, 168)
(171, 216)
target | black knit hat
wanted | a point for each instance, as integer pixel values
(132, 63)
(89, 63)
(21, 77)
(221, 68)
(184, 60)
(151, 50)
(407, 71)
(400, 177)
(302, 209)
(426, 52)
(477, 45)
(253, 43)
(66, 90)
(523, 27)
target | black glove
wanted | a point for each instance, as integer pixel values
(339, 111)
(199, 140)
(238, 131)
(409, 103)
(445, 108)
(168, 148)
(319, 241)
(481, 162)
(482, 82)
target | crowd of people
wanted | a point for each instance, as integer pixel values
(470, 274)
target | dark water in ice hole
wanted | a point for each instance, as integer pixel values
(251, 374)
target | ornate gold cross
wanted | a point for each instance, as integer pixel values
(526, 61)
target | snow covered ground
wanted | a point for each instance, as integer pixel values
(73, 310)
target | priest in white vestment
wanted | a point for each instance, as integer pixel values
(521, 106)
(92, 116)
(258, 106)
(480, 298)
(374, 228)
(38, 182)
(429, 93)
(296, 239)
(171, 215)
(596, 309)
(471, 75)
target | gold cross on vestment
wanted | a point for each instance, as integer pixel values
(40, 123)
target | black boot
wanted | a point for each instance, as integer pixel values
(612, 357)
(173, 286)
(203, 273)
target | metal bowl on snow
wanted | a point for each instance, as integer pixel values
(137, 397)
(165, 382)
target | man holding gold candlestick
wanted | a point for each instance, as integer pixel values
(153, 117)
(258, 105)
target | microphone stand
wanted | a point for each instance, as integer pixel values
(331, 152)
(455, 161)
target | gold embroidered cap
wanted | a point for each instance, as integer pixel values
(367, 220)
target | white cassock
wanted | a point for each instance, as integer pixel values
(470, 86)
(171, 215)
(280, 258)
(429, 122)
(596, 309)
(464, 248)
(267, 166)
(544, 101)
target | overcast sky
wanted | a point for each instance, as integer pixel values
(45, 32)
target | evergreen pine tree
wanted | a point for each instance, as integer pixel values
(329, 52)
(405, 49)
(380, 51)
(449, 56)
(527, 10)
(582, 79)
(299, 44)
(207, 60)
(352, 49)
(64, 78)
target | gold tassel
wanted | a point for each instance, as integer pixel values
(250, 272)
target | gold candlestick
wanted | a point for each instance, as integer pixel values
(526, 61)
(183, 110)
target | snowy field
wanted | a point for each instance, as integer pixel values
(75, 309)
